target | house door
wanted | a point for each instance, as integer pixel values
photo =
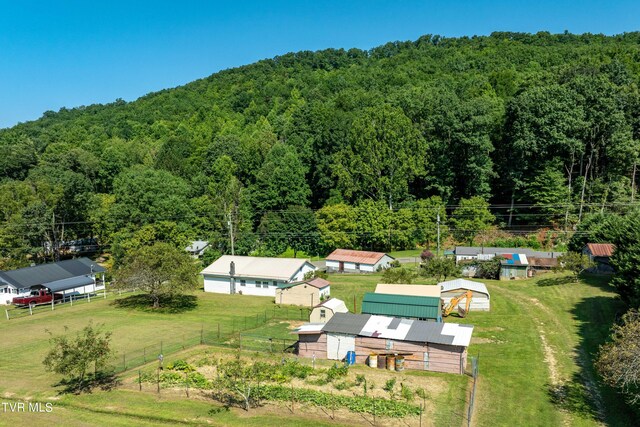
(341, 266)
(339, 345)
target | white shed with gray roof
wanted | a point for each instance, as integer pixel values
(480, 300)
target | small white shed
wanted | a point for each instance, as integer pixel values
(324, 311)
(480, 300)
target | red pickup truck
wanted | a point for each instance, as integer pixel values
(40, 296)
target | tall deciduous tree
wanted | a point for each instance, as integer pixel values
(159, 270)
(337, 224)
(385, 153)
(618, 362)
(281, 180)
(471, 217)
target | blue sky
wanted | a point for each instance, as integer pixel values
(68, 53)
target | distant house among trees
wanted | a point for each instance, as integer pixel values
(352, 261)
(247, 275)
(600, 253)
(513, 266)
(197, 248)
(307, 293)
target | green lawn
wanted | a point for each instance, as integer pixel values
(535, 345)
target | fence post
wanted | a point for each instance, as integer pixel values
(186, 381)
(30, 310)
(7, 313)
(71, 300)
(160, 346)
(52, 300)
(158, 380)
(245, 323)
(139, 380)
(144, 354)
(201, 334)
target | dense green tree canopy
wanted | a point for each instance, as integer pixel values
(545, 124)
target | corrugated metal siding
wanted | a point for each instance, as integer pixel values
(401, 306)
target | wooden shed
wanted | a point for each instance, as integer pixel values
(431, 346)
(480, 300)
(307, 293)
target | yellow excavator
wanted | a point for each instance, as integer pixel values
(454, 302)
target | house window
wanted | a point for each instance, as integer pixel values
(275, 283)
(357, 266)
(389, 345)
(323, 314)
(265, 284)
(258, 283)
(243, 283)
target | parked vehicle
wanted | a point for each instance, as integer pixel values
(40, 296)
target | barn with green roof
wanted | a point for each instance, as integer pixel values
(408, 307)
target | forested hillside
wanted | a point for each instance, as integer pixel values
(351, 148)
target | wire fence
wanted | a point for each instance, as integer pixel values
(472, 396)
(229, 334)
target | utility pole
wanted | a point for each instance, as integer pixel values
(438, 221)
(231, 233)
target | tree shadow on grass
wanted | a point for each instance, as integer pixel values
(556, 281)
(105, 381)
(168, 303)
(584, 394)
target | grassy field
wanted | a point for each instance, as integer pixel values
(535, 347)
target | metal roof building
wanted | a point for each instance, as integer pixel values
(72, 274)
(347, 260)
(431, 346)
(253, 275)
(480, 300)
(413, 307)
(415, 290)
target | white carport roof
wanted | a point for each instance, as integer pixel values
(64, 284)
(463, 284)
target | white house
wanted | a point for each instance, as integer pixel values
(480, 301)
(345, 260)
(69, 277)
(234, 274)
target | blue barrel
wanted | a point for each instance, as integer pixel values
(351, 358)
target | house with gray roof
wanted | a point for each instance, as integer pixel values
(73, 276)
(430, 346)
